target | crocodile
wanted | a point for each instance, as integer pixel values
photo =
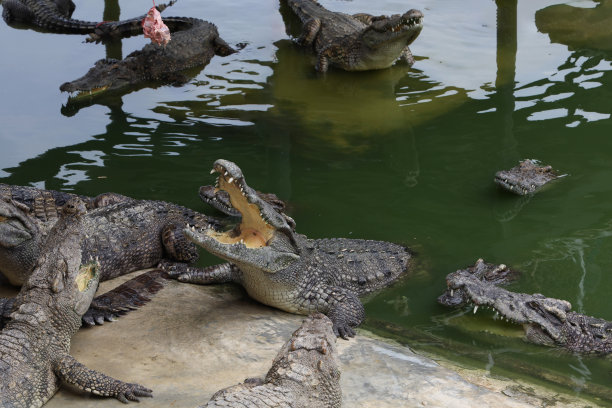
(56, 16)
(125, 233)
(282, 268)
(194, 43)
(304, 374)
(546, 321)
(356, 42)
(526, 178)
(35, 343)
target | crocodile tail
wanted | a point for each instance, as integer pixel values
(133, 26)
(49, 18)
(125, 297)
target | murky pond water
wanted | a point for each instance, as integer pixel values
(404, 155)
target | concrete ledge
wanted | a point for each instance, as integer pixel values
(191, 341)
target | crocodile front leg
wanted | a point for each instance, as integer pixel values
(177, 247)
(407, 57)
(332, 52)
(75, 373)
(222, 273)
(342, 306)
(345, 311)
(309, 32)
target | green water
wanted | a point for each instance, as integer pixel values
(404, 155)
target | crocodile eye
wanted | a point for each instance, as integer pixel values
(2, 219)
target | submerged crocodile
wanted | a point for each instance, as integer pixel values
(304, 374)
(546, 321)
(125, 234)
(194, 43)
(359, 42)
(284, 269)
(35, 343)
(526, 178)
(56, 16)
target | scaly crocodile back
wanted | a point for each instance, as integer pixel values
(362, 266)
(127, 236)
(307, 9)
(334, 25)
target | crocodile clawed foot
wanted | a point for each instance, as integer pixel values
(344, 331)
(171, 269)
(130, 392)
(95, 316)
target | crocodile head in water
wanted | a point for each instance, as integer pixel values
(264, 237)
(482, 271)
(396, 29)
(543, 318)
(526, 178)
(106, 75)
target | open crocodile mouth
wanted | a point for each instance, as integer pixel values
(253, 231)
(408, 24)
(411, 20)
(503, 180)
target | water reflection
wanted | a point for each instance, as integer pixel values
(112, 12)
(578, 27)
(588, 33)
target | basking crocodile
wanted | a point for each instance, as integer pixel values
(55, 16)
(526, 178)
(35, 343)
(359, 42)
(126, 234)
(194, 42)
(304, 374)
(546, 321)
(284, 269)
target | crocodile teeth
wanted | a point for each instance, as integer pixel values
(212, 171)
(231, 180)
(452, 292)
(475, 309)
(225, 173)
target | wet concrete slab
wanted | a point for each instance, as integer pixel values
(191, 341)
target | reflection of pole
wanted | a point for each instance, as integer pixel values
(111, 13)
(504, 95)
(506, 70)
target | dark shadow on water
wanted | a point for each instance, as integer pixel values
(577, 27)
